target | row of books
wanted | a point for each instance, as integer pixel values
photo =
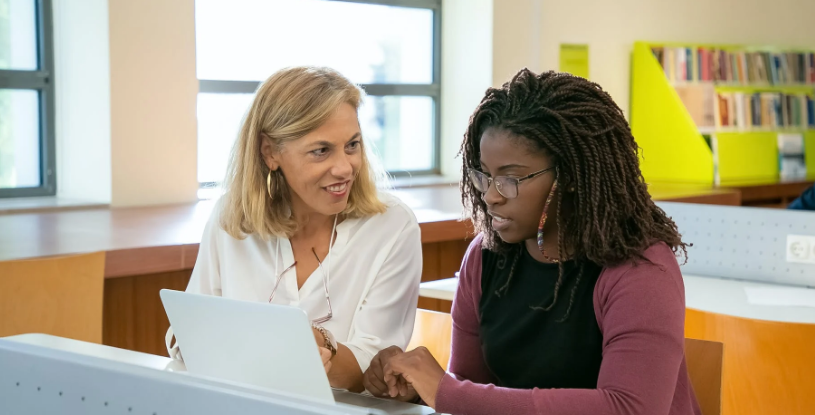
(764, 110)
(682, 64)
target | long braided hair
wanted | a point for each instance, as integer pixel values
(611, 218)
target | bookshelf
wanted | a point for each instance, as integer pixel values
(718, 114)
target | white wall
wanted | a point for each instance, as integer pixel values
(611, 27)
(516, 41)
(467, 58)
(153, 102)
(82, 69)
(126, 94)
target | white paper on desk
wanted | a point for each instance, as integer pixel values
(781, 296)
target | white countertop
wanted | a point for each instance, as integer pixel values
(442, 289)
(729, 297)
(709, 294)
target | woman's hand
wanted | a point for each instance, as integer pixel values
(417, 368)
(374, 377)
(325, 355)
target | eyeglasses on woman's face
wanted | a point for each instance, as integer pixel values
(506, 186)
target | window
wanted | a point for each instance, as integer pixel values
(26, 99)
(389, 47)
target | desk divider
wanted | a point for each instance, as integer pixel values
(743, 243)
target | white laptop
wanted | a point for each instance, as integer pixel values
(223, 338)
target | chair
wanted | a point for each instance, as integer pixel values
(769, 364)
(704, 360)
(433, 330)
(61, 296)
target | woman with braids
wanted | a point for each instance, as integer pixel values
(570, 299)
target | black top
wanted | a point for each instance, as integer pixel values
(526, 348)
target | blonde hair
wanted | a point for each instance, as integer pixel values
(290, 104)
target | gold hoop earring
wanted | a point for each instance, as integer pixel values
(269, 184)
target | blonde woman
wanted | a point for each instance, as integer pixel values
(301, 223)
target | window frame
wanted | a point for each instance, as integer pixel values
(432, 90)
(42, 81)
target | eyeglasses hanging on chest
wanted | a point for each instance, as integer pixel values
(325, 288)
(323, 270)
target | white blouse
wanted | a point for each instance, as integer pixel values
(375, 270)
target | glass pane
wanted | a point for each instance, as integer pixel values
(219, 121)
(248, 40)
(18, 34)
(401, 131)
(19, 138)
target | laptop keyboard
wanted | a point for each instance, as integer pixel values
(379, 406)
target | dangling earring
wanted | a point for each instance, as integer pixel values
(543, 222)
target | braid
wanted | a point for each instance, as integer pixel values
(503, 290)
(612, 217)
(574, 291)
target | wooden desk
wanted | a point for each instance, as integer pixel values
(151, 248)
(148, 240)
(695, 194)
(159, 239)
(778, 195)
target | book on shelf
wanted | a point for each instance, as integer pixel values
(698, 100)
(810, 112)
(811, 68)
(702, 64)
(762, 110)
(791, 160)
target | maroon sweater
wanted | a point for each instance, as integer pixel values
(641, 313)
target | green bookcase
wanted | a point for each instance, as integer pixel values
(673, 148)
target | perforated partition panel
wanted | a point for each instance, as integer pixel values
(37, 380)
(742, 243)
